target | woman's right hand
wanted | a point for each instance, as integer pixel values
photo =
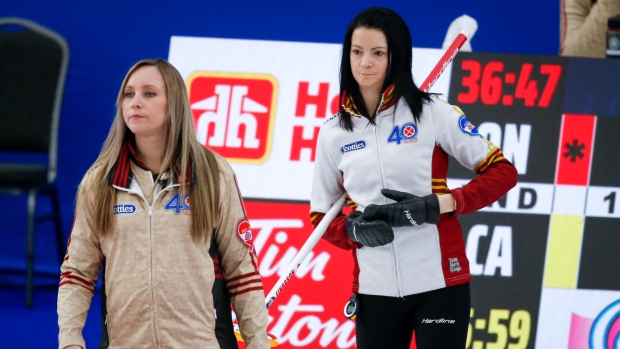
(366, 232)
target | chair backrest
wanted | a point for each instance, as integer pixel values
(33, 69)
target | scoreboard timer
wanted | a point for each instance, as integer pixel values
(493, 84)
(559, 227)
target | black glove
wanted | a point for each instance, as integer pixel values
(408, 209)
(366, 232)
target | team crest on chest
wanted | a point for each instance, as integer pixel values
(177, 205)
(407, 133)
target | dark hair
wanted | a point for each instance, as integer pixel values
(399, 66)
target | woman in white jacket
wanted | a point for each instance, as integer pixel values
(388, 149)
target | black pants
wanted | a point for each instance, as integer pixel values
(440, 319)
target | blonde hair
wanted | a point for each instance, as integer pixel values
(181, 151)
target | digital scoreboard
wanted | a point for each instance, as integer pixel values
(559, 228)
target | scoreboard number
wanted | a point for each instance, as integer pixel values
(488, 82)
(602, 202)
(503, 329)
(612, 201)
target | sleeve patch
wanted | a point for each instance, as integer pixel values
(244, 232)
(467, 127)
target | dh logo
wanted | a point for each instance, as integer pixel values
(234, 114)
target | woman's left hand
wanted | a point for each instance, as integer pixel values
(408, 210)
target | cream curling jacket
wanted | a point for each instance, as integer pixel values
(158, 280)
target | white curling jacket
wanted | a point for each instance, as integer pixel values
(400, 154)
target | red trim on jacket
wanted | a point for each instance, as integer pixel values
(121, 176)
(336, 233)
(241, 281)
(386, 102)
(69, 282)
(498, 178)
(244, 276)
(235, 294)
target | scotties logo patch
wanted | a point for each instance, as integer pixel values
(353, 146)
(125, 209)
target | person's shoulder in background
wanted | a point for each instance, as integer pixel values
(583, 26)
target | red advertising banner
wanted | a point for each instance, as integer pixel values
(308, 312)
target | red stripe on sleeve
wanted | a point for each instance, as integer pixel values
(235, 294)
(244, 276)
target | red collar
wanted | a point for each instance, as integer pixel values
(387, 101)
(122, 176)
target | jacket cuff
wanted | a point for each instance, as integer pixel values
(459, 201)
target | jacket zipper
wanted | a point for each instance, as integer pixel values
(150, 210)
(155, 331)
(394, 253)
